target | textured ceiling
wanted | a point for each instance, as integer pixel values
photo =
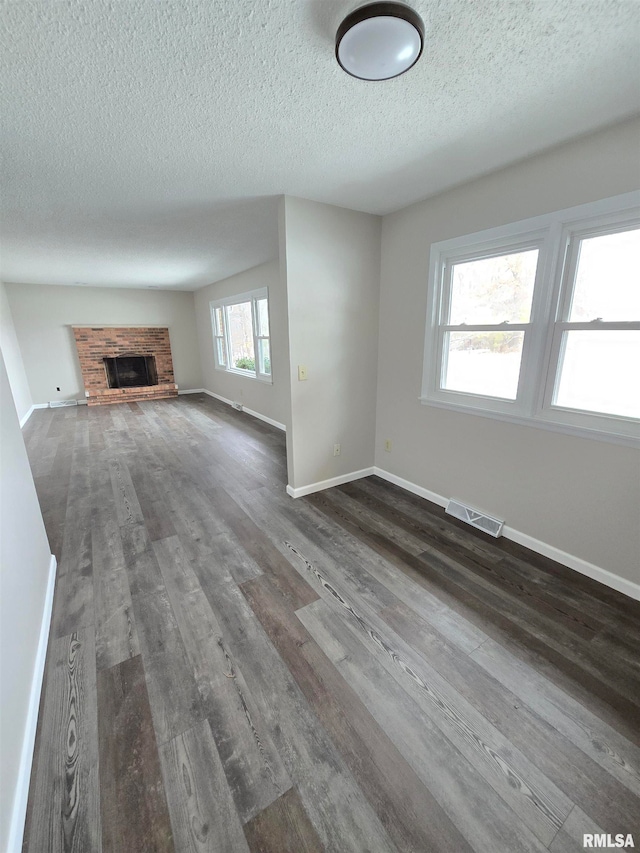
(145, 142)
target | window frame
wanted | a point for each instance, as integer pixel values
(557, 237)
(223, 340)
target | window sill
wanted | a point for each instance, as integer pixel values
(539, 423)
(246, 373)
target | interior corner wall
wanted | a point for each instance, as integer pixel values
(332, 274)
(13, 359)
(282, 264)
(579, 495)
(25, 561)
(43, 316)
(270, 400)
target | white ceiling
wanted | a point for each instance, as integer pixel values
(146, 141)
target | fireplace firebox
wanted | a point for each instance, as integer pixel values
(131, 371)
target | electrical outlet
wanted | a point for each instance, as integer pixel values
(387, 445)
(302, 373)
(336, 450)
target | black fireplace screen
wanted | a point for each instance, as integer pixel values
(131, 371)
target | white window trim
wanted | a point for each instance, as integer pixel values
(552, 234)
(252, 296)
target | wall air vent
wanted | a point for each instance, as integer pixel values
(56, 404)
(492, 526)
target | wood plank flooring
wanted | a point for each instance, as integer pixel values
(231, 670)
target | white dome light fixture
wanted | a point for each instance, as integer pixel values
(379, 41)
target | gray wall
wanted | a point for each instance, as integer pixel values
(13, 358)
(332, 270)
(43, 315)
(272, 401)
(24, 571)
(576, 494)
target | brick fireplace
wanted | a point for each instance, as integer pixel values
(111, 359)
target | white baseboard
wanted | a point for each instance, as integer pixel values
(264, 418)
(596, 573)
(592, 571)
(408, 486)
(328, 484)
(35, 406)
(253, 414)
(191, 391)
(19, 811)
(26, 417)
(218, 397)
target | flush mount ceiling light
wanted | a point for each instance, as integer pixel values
(379, 41)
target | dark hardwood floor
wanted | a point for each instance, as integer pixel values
(231, 670)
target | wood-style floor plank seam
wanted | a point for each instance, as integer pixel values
(494, 761)
(571, 770)
(232, 670)
(506, 626)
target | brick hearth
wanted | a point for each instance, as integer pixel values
(96, 343)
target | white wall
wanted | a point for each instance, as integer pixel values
(24, 573)
(332, 271)
(43, 316)
(576, 494)
(272, 401)
(13, 358)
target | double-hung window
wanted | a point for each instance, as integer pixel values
(596, 339)
(241, 341)
(539, 322)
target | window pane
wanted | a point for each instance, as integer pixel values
(599, 372)
(222, 356)
(493, 290)
(263, 318)
(218, 321)
(241, 336)
(607, 278)
(264, 356)
(486, 363)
